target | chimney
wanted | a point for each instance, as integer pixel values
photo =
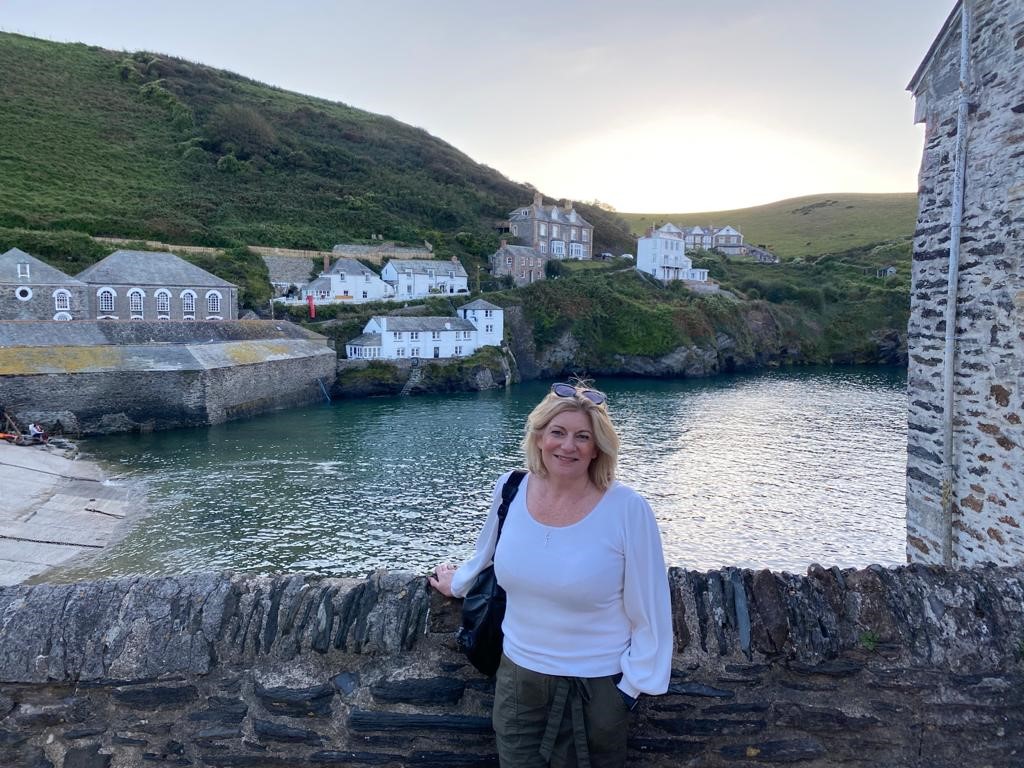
(327, 263)
(538, 199)
(504, 243)
(567, 205)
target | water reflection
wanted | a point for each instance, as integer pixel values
(776, 470)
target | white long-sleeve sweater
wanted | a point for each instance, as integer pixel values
(584, 600)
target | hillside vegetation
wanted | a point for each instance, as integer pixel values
(806, 226)
(147, 146)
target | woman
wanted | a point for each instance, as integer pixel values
(588, 624)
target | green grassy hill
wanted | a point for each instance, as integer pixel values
(145, 146)
(807, 226)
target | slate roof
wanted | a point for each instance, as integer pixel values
(479, 304)
(365, 340)
(322, 283)
(288, 270)
(427, 324)
(521, 250)
(149, 268)
(40, 273)
(423, 266)
(351, 266)
(549, 213)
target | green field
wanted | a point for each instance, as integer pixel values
(806, 226)
(147, 146)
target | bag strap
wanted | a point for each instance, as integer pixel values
(508, 492)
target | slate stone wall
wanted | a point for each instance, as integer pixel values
(915, 666)
(987, 492)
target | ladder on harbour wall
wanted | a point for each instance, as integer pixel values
(414, 378)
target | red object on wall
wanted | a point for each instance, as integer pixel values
(312, 306)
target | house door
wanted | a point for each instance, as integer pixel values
(437, 351)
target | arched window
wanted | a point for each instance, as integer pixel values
(62, 316)
(163, 303)
(62, 301)
(136, 303)
(188, 305)
(213, 303)
(106, 298)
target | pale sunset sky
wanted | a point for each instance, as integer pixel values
(661, 106)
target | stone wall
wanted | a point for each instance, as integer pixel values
(915, 666)
(986, 498)
(102, 377)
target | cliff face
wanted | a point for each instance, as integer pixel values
(755, 340)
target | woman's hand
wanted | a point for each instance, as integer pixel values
(441, 580)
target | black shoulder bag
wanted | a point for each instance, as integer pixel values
(483, 608)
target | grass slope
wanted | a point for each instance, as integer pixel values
(807, 226)
(152, 147)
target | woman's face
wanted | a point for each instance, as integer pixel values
(567, 445)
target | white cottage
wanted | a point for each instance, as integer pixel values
(480, 324)
(488, 319)
(416, 278)
(347, 282)
(661, 253)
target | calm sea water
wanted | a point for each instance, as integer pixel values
(773, 470)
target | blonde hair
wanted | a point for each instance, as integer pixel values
(602, 468)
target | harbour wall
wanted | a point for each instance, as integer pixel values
(103, 377)
(913, 666)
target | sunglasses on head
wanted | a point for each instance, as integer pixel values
(568, 390)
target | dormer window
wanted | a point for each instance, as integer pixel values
(23, 270)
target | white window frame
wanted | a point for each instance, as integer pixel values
(136, 303)
(435, 335)
(25, 273)
(62, 316)
(62, 300)
(163, 303)
(188, 305)
(102, 306)
(214, 305)
(414, 335)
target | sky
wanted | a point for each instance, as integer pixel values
(664, 106)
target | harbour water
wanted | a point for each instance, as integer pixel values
(778, 470)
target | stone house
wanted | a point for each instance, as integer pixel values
(559, 232)
(347, 281)
(661, 253)
(417, 278)
(727, 239)
(33, 290)
(965, 442)
(522, 263)
(153, 285)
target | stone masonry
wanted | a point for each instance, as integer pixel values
(986, 496)
(101, 377)
(917, 666)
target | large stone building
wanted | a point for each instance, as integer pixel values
(522, 263)
(965, 467)
(33, 290)
(154, 285)
(559, 232)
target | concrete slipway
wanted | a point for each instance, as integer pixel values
(52, 509)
